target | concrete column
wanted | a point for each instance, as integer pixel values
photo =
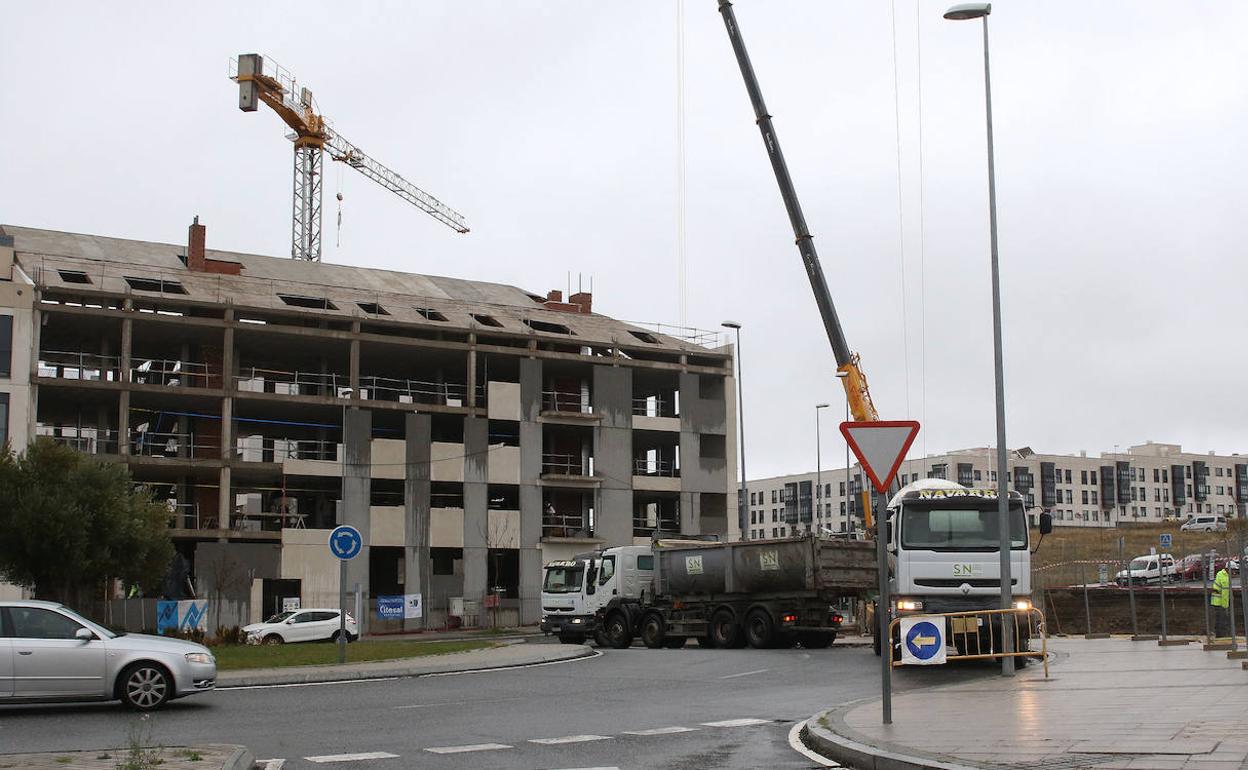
(355, 360)
(690, 513)
(472, 372)
(123, 401)
(228, 363)
(225, 491)
(476, 507)
(356, 483)
(530, 490)
(416, 503)
(225, 500)
(613, 454)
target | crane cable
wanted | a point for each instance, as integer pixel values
(901, 219)
(682, 288)
(918, 73)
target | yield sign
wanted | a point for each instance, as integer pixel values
(880, 447)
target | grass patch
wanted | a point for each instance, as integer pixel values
(234, 658)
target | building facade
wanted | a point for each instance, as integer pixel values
(1148, 482)
(470, 431)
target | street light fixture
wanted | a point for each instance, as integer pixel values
(743, 504)
(968, 11)
(817, 499)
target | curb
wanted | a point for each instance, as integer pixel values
(331, 673)
(851, 753)
(241, 759)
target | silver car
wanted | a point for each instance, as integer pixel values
(48, 653)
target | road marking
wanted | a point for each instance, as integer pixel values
(662, 731)
(737, 722)
(457, 703)
(795, 743)
(591, 768)
(352, 757)
(746, 673)
(470, 747)
(595, 654)
(271, 764)
(570, 739)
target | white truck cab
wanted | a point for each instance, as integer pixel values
(574, 590)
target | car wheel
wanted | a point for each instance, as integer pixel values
(145, 686)
(274, 639)
(334, 637)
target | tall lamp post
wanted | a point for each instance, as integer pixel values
(964, 12)
(818, 501)
(840, 375)
(744, 503)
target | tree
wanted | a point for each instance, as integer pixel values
(68, 523)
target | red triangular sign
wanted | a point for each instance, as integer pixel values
(880, 447)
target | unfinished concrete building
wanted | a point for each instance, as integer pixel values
(471, 431)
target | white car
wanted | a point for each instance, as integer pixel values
(308, 625)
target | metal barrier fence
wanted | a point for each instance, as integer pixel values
(964, 631)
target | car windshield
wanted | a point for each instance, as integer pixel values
(563, 580)
(1142, 564)
(958, 529)
(279, 617)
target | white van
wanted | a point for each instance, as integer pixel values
(1146, 569)
(1205, 522)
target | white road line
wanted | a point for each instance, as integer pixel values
(465, 749)
(570, 739)
(271, 764)
(662, 731)
(596, 654)
(746, 673)
(737, 722)
(352, 757)
(590, 768)
(457, 703)
(795, 743)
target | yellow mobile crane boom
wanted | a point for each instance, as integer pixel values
(261, 80)
(854, 381)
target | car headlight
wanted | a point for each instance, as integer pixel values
(577, 620)
(909, 605)
(199, 657)
(1022, 604)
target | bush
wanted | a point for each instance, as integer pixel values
(228, 635)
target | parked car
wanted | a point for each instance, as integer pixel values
(54, 654)
(1145, 569)
(1205, 522)
(1190, 567)
(306, 625)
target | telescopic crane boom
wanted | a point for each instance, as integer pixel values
(264, 81)
(855, 382)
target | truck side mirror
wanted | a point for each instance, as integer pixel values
(1046, 523)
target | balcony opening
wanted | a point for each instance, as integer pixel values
(74, 276)
(430, 315)
(311, 303)
(155, 285)
(373, 308)
(487, 320)
(567, 514)
(546, 326)
(712, 447)
(655, 513)
(649, 339)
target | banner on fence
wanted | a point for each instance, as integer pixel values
(187, 615)
(399, 607)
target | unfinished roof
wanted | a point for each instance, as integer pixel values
(92, 263)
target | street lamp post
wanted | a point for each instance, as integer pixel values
(965, 12)
(817, 499)
(744, 503)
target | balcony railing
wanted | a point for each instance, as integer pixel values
(184, 515)
(567, 465)
(253, 379)
(566, 402)
(564, 524)
(92, 441)
(413, 391)
(663, 468)
(171, 372)
(647, 522)
(267, 521)
(183, 445)
(79, 365)
(653, 406)
(276, 450)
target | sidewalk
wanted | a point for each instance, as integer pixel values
(513, 654)
(1110, 704)
(209, 757)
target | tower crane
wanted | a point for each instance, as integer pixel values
(261, 80)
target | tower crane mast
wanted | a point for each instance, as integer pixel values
(263, 81)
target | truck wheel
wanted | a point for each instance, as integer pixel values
(618, 634)
(817, 640)
(652, 631)
(674, 642)
(725, 632)
(760, 631)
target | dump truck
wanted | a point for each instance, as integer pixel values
(764, 593)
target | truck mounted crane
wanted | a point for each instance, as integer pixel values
(260, 80)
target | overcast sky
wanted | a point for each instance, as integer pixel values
(552, 127)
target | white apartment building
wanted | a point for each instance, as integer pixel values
(1147, 482)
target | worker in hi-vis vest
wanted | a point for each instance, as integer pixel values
(1221, 601)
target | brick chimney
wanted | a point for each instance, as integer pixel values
(584, 300)
(554, 295)
(195, 247)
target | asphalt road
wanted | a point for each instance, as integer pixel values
(569, 715)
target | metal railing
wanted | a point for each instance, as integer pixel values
(267, 521)
(275, 450)
(184, 515)
(254, 379)
(414, 391)
(557, 524)
(566, 402)
(645, 524)
(567, 465)
(171, 372)
(92, 441)
(79, 365)
(184, 445)
(964, 631)
(663, 468)
(653, 406)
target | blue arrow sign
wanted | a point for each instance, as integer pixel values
(924, 640)
(345, 542)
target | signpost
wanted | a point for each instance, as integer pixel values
(1166, 541)
(345, 543)
(881, 447)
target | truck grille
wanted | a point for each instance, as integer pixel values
(957, 582)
